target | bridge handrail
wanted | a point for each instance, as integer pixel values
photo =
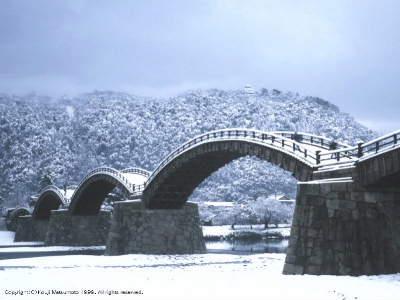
(312, 139)
(51, 187)
(54, 189)
(362, 150)
(132, 188)
(309, 157)
(47, 187)
(339, 156)
(379, 144)
(135, 170)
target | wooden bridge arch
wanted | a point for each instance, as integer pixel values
(184, 169)
(97, 184)
(50, 198)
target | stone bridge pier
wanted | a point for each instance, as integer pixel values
(77, 230)
(342, 228)
(135, 229)
(31, 229)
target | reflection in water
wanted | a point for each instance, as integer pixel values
(268, 246)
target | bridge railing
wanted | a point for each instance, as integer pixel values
(312, 140)
(378, 145)
(278, 141)
(362, 150)
(51, 187)
(132, 188)
(56, 190)
(135, 170)
(336, 157)
(48, 187)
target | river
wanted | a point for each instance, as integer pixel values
(244, 247)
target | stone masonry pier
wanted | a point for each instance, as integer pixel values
(74, 230)
(30, 229)
(345, 229)
(135, 229)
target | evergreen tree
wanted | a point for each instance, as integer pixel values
(46, 180)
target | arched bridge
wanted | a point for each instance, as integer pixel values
(97, 184)
(181, 171)
(346, 218)
(186, 167)
(304, 155)
(50, 198)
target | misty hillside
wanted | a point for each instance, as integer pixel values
(67, 137)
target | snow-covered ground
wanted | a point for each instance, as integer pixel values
(7, 239)
(40, 248)
(208, 276)
(7, 245)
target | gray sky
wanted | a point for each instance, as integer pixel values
(346, 52)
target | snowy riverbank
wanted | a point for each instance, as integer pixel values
(208, 276)
(214, 276)
(7, 239)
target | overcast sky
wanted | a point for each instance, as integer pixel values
(346, 52)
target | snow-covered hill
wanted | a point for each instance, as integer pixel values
(69, 136)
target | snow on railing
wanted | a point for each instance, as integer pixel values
(293, 143)
(56, 190)
(361, 151)
(135, 170)
(313, 140)
(336, 157)
(380, 144)
(277, 141)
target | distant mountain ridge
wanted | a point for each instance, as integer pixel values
(68, 136)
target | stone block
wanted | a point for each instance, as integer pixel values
(331, 212)
(290, 269)
(313, 269)
(312, 233)
(357, 196)
(339, 186)
(290, 259)
(325, 188)
(308, 189)
(332, 204)
(355, 214)
(347, 205)
(371, 197)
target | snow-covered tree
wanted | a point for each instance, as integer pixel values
(47, 179)
(271, 211)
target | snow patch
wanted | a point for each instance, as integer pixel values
(70, 111)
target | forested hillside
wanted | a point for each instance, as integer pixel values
(64, 138)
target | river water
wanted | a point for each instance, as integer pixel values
(244, 247)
